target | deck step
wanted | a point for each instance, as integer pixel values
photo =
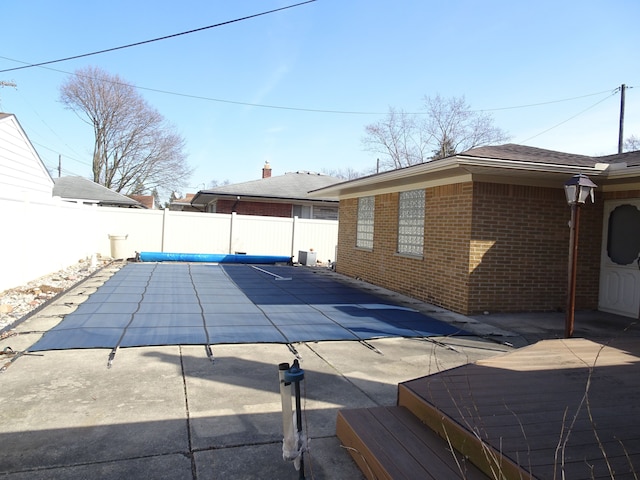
(390, 443)
(469, 444)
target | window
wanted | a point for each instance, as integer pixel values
(623, 240)
(364, 228)
(302, 211)
(411, 222)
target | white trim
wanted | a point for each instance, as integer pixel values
(458, 169)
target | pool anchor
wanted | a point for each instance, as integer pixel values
(294, 443)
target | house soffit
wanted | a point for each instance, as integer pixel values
(621, 179)
(461, 171)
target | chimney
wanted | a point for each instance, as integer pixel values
(266, 170)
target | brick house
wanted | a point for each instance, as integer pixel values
(487, 230)
(147, 201)
(272, 196)
(183, 204)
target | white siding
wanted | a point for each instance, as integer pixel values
(22, 173)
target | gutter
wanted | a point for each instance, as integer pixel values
(462, 162)
(234, 196)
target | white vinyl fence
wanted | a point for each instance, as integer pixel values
(38, 237)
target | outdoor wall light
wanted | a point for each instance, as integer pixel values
(577, 190)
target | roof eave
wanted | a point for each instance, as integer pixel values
(204, 198)
(454, 169)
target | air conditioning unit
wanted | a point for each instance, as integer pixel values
(307, 258)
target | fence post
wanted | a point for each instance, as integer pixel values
(164, 228)
(293, 235)
(231, 220)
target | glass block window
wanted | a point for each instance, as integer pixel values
(411, 222)
(364, 229)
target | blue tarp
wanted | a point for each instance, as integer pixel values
(212, 258)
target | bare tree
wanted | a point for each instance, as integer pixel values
(347, 173)
(397, 138)
(455, 127)
(218, 183)
(135, 148)
(632, 144)
(448, 126)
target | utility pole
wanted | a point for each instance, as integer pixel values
(59, 165)
(4, 83)
(623, 87)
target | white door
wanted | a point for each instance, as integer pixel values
(619, 270)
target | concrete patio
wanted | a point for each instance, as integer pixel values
(169, 412)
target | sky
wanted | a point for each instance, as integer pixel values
(297, 87)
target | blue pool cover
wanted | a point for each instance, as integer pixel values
(147, 304)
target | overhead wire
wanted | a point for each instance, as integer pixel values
(313, 110)
(66, 157)
(610, 92)
(280, 107)
(570, 118)
(550, 102)
(24, 99)
(174, 35)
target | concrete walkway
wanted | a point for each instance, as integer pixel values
(169, 412)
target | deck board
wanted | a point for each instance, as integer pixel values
(525, 403)
(391, 443)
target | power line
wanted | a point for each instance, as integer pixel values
(611, 93)
(570, 118)
(355, 112)
(47, 125)
(136, 44)
(547, 103)
(317, 110)
(66, 157)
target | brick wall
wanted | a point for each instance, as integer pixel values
(525, 237)
(622, 195)
(488, 247)
(441, 276)
(255, 208)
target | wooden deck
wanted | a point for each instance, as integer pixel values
(558, 409)
(390, 443)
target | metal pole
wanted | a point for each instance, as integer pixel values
(573, 267)
(299, 423)
(294, 375)
(623, 87)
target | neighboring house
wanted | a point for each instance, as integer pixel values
(83, 190)
(279, 196)
(184, 204)
(486, 230)
(23, 175)
(147, 201)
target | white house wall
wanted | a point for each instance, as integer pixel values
(44, 236)
(22, 173)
